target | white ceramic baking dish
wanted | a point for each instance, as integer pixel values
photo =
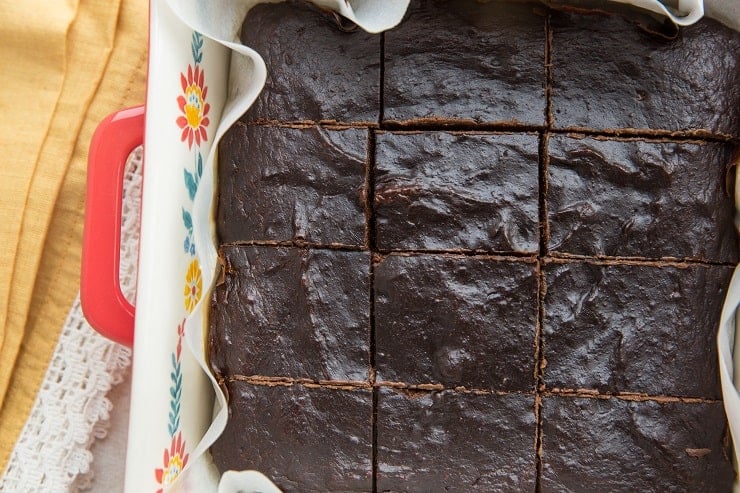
(199, 83)
(197, 86)
(171, 397)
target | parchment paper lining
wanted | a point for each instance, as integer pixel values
(221, 21)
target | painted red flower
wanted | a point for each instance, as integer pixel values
(180, 335)
(193, 105)
(175, 460)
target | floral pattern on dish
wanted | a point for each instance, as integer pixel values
(193, 121)
(193, 105)
(174, 459)
(193, 286)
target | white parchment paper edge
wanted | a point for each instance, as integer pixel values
(221, 21)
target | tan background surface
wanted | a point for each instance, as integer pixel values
(65, 66)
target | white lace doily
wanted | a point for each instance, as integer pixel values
(72, 409)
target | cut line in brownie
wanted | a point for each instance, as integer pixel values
(422, 388)
(511, 256)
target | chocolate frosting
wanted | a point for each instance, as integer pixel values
(641, 199)
(618, 445)
(292, 184)
(305, 439)
(461, 442)
(439, 191)
(634, 328)
(459, 321)
(292, 312)
(315, 72)
(431, 283)
(642, 81)
(498, 77)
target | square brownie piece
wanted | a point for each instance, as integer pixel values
(628, 78)
(316, 70)
(276, 429)
(290, 184)
(458, 321)
(443, 191)
(641, 199)
(290, 312)
(634, 328)
(498, 78)
(617, 445)
(455, 442)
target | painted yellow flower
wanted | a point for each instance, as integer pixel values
(194, 107)
(193, 286)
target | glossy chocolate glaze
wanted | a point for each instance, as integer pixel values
(634, 328)
(315, 72)
(640, 199)
(442, 191)
(292, 184)
(498, 78)
(618, 445)
(287, 431)
(292, 312)
(459, 321)
(429, 328)
(460, 442)
(643, 81)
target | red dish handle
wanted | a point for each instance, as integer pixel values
(103, 303)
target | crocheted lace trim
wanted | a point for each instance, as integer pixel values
(72, 410)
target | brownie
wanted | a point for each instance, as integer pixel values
(315, 71)
(634, 328)
(484, 251)
(616, 445)
(456, 191)
(498, 78)
(292, 312)
(459, 321)
(623, 77)
(455, 442)
(305, 439)
(641, 199)
(290, 184)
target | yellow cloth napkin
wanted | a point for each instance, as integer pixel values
(65, 66)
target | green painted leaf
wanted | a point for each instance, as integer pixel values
(188, 221)
(191, 183)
